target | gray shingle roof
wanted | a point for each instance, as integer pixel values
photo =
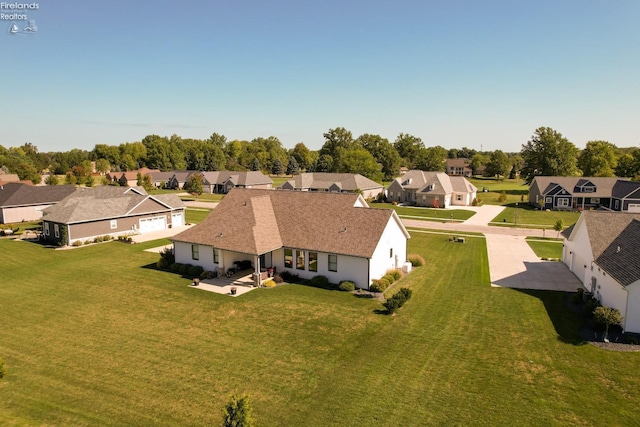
(91, 204)
(238, 178)
(18, 194)
(626, 189)
(604, 185)
(434, 182)
(258, 221)
(609, 231)
(324, 180)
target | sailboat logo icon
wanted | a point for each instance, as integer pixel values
(13, 29)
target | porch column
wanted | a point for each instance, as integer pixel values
(256, 274)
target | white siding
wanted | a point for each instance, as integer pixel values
(609, 292)
(23, 213)
(632, 318)
(381, 262)
(577, 253)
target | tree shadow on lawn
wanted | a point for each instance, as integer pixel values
(567, 323)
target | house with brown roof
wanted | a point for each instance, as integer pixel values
(6, 178)
(336, 235)
(108, 210)
(458, 167)
(603, 250)
(129, 178)
(179, 179)
(25, 202)
(431, 189)
(223, 181)
(579, 193)
(334, 182)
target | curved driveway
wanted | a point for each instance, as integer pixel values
(512, 262)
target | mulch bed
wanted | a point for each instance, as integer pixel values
(593, 333)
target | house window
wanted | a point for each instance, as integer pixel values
(333, 262)
(300, 260)
(56, 230)
(548, 200)
(216, 256)
(595, 200)
(459, 197)
(195, 252)
(391, 194)
(313, 261)
(391, 253)
(46, 228)
(288, 258)
(114, 223)
(617, 204)
(563, 202)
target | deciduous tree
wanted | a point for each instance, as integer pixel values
(548, 153)
(599, 158)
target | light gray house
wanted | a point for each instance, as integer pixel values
(431, 189)
(334, 182)
(24, 202)
(223, 181)
(107, 210)
(336, 235)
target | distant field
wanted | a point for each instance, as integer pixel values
(516, 190)
(97, 336)
(427, 214)
(196, 216)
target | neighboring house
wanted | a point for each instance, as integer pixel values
(334, 182)
(179, 179)
(336, 235)
(223, 181)
(25, 202)
(160, 179)
(6, 178)
(579, 193)
(431, 189)
(603, 250)
(403, 170)
(130, 178)
(108, 210)
(458, 167)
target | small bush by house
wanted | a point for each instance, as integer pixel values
(347, 286)
(416, 260)
(269, 283)
(162, 264)
(175, 267)
(394, 303)
(278, 279)
(319, 281)
(397, 275)
(195, 271)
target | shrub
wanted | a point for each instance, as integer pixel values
(195, 271)
(237, 413)
(590, 305)
(269, 283)
(475, 202)
(319, 281)
(577, 298)
(278, 279)
(3, 370)
(77, 243)
(503, 197)
(416, 260)
(184, 269)
(397, 275)
(379, 285)
(395, 302)
(389, 278)
(87, 242)
(606, 316)
(287, 276)
(347, 286)
(175, 267)
(162, 264)
(168, 255)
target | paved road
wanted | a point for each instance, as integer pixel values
(512, 262)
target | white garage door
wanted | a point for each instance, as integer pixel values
(177, 220)
(153, 224)
(634, 207)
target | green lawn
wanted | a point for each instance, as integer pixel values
(428, 214)
(528, 217)
(546, 248)
(204, 197)
(93, 336)
(195, 216)
(516, 190)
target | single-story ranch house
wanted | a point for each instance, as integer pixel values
(179, 179)
(24, 202)
(334, 182)
(107, 210)
(603, 250)
(130, 178)
(431, 189)
(336, 235)
(223, 181)
(579, 193)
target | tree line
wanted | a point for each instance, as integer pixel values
(546, 153)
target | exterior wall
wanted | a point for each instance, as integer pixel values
(22, 213)
(577, 253)
(350, 268)
(383, 258)
(395, 192)
(632, 318)
(534, 193)
(371, 193)
(609, 292)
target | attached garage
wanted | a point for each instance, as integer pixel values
(634, 207)
(153, 224)
(177, 219)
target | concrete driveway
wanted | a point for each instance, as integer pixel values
(513, 264)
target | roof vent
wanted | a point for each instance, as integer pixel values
(344, 230)
(618, 250)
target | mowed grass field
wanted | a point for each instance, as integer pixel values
(427, 214)
(96, 336)
(547, 248)
(525, 216)
(516, 190)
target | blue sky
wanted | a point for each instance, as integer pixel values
(455, 73)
